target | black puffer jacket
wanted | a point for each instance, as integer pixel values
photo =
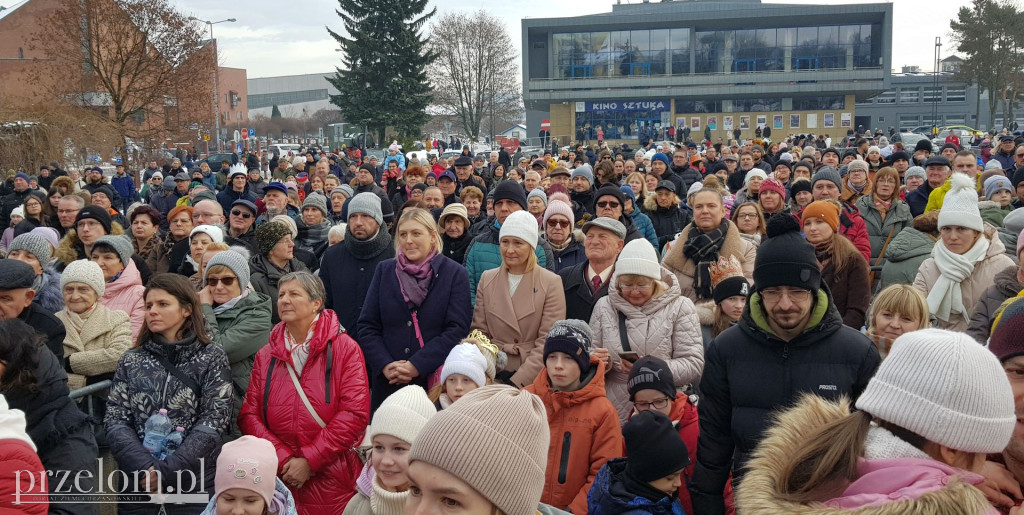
(455, 248)
(749, 374)
(8, 203)
(142, 386)
(668, 222)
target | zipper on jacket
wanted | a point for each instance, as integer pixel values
(785, 352)
(563, 465)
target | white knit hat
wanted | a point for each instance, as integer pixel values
(638, 257)
(215, 233)
(754, 172)
(85, 272)
(522, 225)
(466, 359)
(402, 415)
(960, 206)
(946, 388)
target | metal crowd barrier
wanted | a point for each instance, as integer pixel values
(89, 392)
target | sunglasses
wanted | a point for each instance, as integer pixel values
(605, 203)
(243, 214)
(226, 281)
(558, 223)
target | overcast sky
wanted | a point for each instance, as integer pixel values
(274, 38)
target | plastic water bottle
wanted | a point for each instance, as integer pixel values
(173, 442)
(157, 428)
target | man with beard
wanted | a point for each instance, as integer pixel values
(365, 184)
(94, 180)
(275, 200)
(790, 341)
(347, 268)
(14, 199)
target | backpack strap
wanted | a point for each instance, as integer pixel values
(327, 374)
(623, 336)
(180, 375)
(266, 391)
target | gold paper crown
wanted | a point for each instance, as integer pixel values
(725, 268)
(481, 340)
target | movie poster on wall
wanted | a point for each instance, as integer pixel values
(744, 123)
(727, 123)
(762, 121)
(846, 120)
(695, 123)
(812, 121)
(794, 121)
(830, 120)
(777, 121)
(713, 123)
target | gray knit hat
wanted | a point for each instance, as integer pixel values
(33, 244)
(584, 171)
(914, 171)
(120, 244)
(539, 193)
(827, 173)
(85, 272)
(368, 204)
(233, 260)
(461, 441)
(318, 201)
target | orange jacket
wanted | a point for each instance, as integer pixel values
(585, 433)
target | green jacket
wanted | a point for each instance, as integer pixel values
(904, 256)
(242, 331)
(992, 213)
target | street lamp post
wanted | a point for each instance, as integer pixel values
(216, 111)
(935, 83)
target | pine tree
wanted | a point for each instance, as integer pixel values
(382, 81)
(275, 113)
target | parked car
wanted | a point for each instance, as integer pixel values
(910, 140)
(214, 160)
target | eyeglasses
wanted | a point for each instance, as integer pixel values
(635, 287)
(796, 295)
(558, 223)
(244, 214)
(226, 281)
(656, 404)
(608, 203)
(746, 216)
(67, 211)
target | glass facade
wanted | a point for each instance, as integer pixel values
(640, 120)
(669, 52)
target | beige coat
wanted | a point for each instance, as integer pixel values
(984, 275)
(667, 327)
(684, 268)
(107, 334)
(519, 324)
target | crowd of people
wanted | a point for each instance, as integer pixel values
(756, 326)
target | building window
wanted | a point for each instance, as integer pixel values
(21, 53)
(907, 122)
(865, 102)
(698, 106)
(932, 94)
(818, 103)
(756, 105)
(958, 119)
(910, 95)
(956, 93)
(889, 97)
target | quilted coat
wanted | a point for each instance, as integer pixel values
(125, 294)
(275, 412)
(683, 268)
(883, 487)
(519, 324)
(106, 335)
(666, 327)
(585, 434)
(142, 386)
(906, 252)
(17, 452)
(995, 261)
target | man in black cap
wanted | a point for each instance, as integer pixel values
(242, 222)
(790, 341)
(937, 170)
(1004, 154)
(94, 180)
(464, 176)
(484, 252)
(364, 183)
(830, 157)
(16, 294)
(900, 160)
(922, 151)
(609, 202)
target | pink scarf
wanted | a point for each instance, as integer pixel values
(414, 279)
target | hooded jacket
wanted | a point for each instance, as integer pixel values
(334, 380)
(18, 453)
(971, 289)
(644, 225)
(1006, 284)
(667, 327)
(609, 496)
(142, 385)
(896, 219)
(906, 252)
(684, 268)
(883, 487)
(241, 330)
(125, 294)
(105, 337)
(585, 434)
(750, 372)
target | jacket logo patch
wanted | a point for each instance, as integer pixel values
(829, 387)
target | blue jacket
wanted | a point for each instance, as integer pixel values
(608, 495)
(229, 196)
(644, 225)
(918, 199)
(484, 254)
(125, 187)
(569, 257)
(386, 329)
(398, 158)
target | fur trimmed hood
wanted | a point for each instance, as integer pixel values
(706, 313)
(67, 249)
(758, 492)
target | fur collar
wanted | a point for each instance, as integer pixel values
(677, 262)
(706, 313)
(67, 249)
(758, 493)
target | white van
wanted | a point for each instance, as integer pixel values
(282, 149)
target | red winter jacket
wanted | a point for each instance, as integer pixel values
(17, 456)
(684, 416)
(278, 414)
(852, 226)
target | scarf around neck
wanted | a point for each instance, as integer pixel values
(946, 297)
(823, 251)
(77, 320)
(414, 279)
(368, 249)
(702, 248)
(217, 310)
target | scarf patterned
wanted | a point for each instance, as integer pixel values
(702, 248)
(414, 279)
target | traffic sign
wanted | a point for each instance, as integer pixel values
(206, 137)
(252, 133)
(545, 124)
(245, 134)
